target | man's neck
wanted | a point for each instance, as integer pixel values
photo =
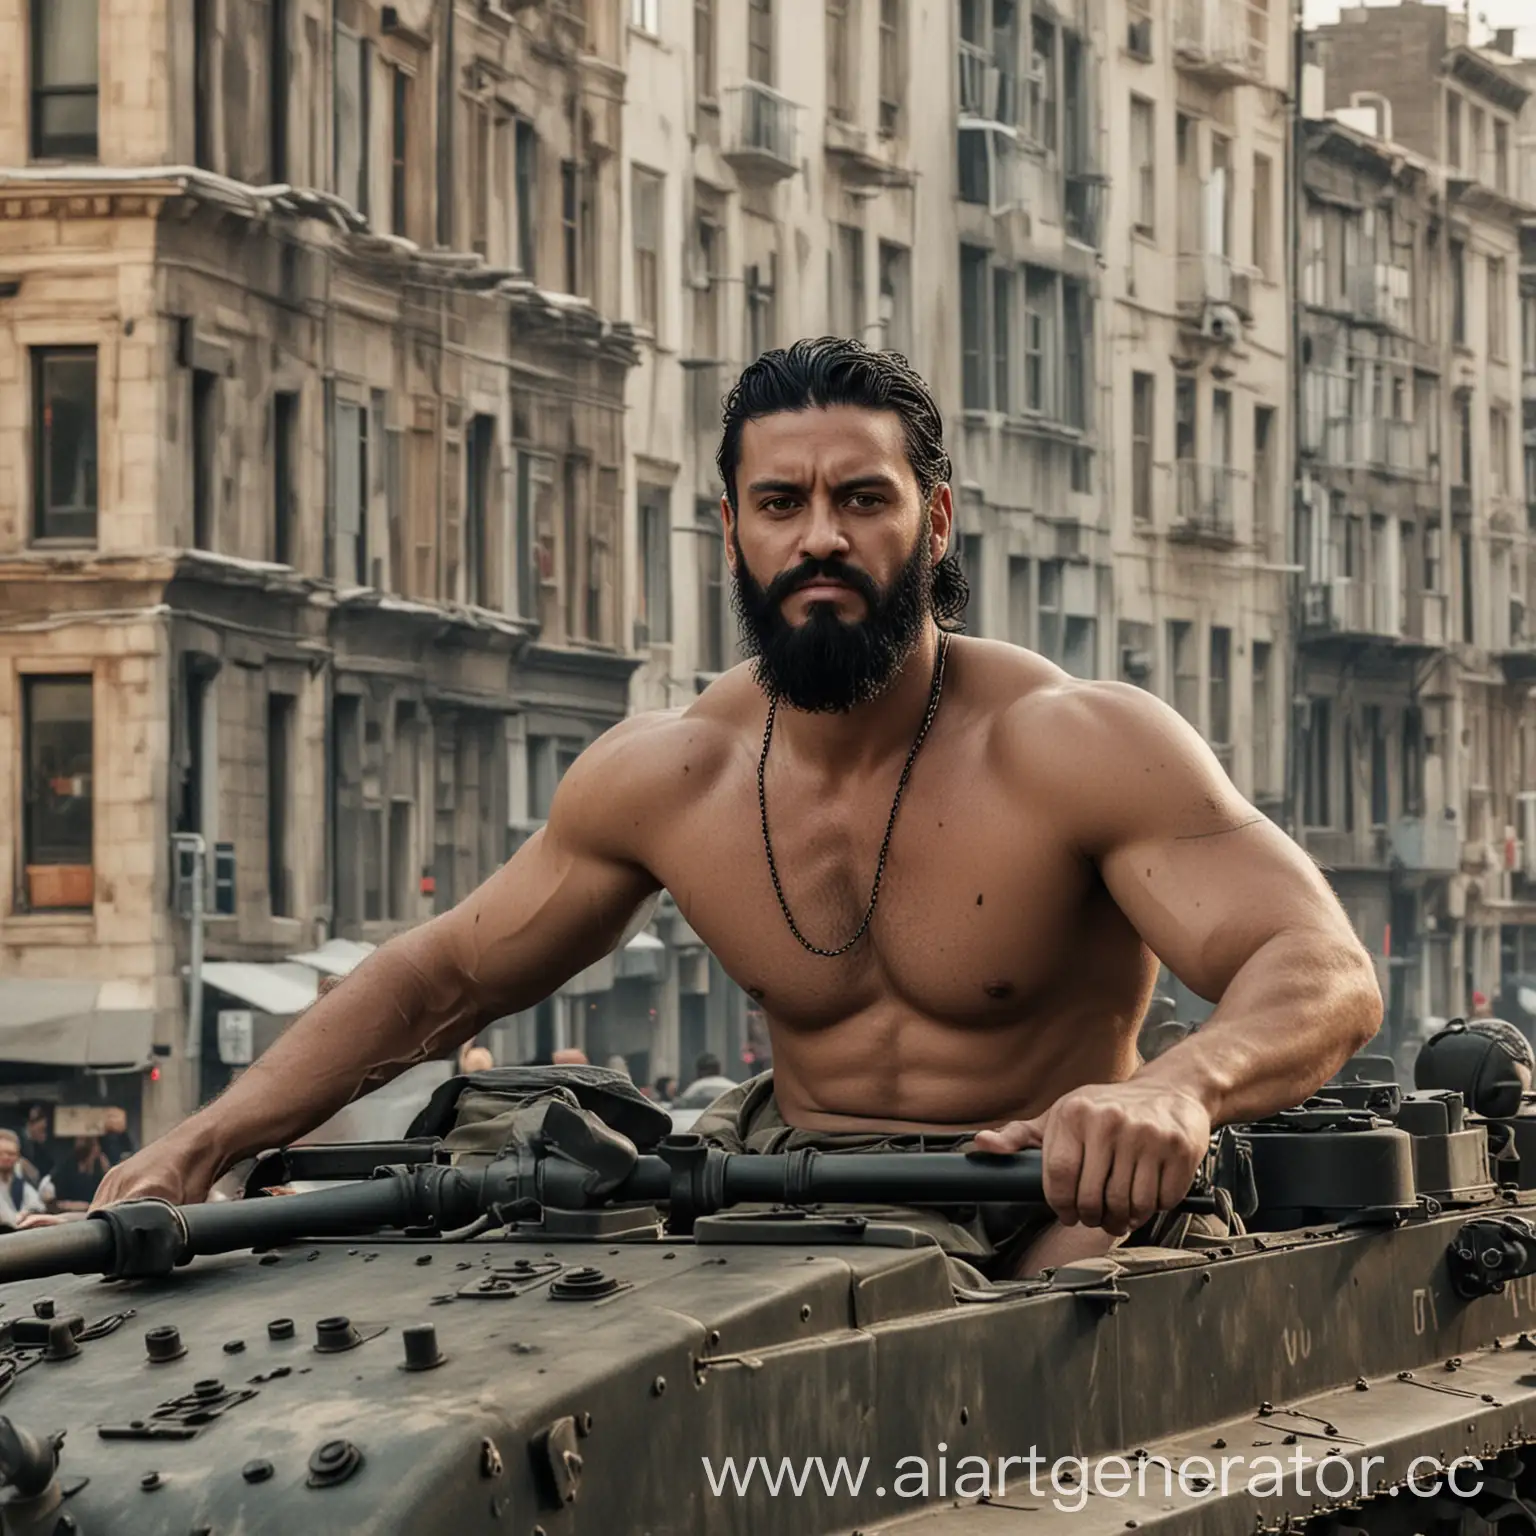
(868, 734)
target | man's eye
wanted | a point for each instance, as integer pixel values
(779, 504)
(864, 500)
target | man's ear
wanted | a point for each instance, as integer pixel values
(941, 521)
(727, 523)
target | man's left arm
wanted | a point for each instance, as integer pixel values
(1241, 916)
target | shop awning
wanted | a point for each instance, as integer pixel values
(281, 988)
(73, 1024)
(336, 957)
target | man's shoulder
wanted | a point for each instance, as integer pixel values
(650, 758)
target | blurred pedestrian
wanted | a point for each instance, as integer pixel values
(116, 1144)
(475, 1058)
(18, 1194)
(75, 1179)
(37, 1150)
(570, 1056)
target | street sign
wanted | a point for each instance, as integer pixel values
(236, 1037)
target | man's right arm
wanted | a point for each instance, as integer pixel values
(559, 905)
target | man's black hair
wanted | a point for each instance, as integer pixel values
(835, 370)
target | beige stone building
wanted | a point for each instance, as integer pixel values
(311, 475)
(1197, 393)
(1428, 795)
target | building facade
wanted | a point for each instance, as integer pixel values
(311, 457)
(1416, 747)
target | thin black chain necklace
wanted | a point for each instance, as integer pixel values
(934, 694)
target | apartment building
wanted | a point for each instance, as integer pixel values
(1196, 396)
(311, 456)
(1374, 629)
(1439, 563)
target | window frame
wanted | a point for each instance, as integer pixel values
(41, 357)
(59, 146)
(30, 856)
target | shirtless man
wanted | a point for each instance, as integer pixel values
(1052, 837)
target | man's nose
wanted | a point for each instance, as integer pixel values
(822, 535)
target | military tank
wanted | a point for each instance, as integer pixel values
(605, 1328)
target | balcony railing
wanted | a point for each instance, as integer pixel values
(1223, 38)
(1204, 278)
(1207, 503)
(1431, 843)
(1383, 292)
(759, 131)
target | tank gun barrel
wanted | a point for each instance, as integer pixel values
(151, 1237)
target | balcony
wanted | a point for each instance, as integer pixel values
(1383, 293)
(1223, 41)
(1380, 444)
(759, 132)
(1207, 505)
(1427, 844)
(991, 167)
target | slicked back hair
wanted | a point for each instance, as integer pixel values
(822, 371)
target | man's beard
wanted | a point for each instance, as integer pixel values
(827, 665)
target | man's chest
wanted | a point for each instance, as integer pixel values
(979, 900)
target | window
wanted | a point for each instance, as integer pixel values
(1462, 425)
(1263, 477)
(1143, 401)
(1528, 332)
(1498, 450)
(712, 601)
(1219, 700)
(1039, 332)
(973, 328)
(1263, 215)
(704, 49)
(1501, 154)
(848, 289)
(279, 794)
(285, 462)
(1021, 595)
(1468, 590)
(971, 564)
(65, 74)
(655, 616)
(1185, 669)
(64, 461)
(1186, 162)
(1040, 107)
(479, 471)
(1143, 148)
(205, 469)
(1453, 130)
(1079, 646)
(838, 50)
(570, 227)
(1316, 808)
(1376, 742)
(350, 169)
(1001, 330)
(1498, 309)
(893, 89)
(57, 748)
(646, 15)
(479, 174)
(1184, 419)
(349, 491)
(400, 93)
(1049, 610)
(525, 181)
(1263, 723)
(646, 192)
(1458, 293)
(759, 294)
(1076, 315)
(896, 298)
(760, 41)
(205, 44)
